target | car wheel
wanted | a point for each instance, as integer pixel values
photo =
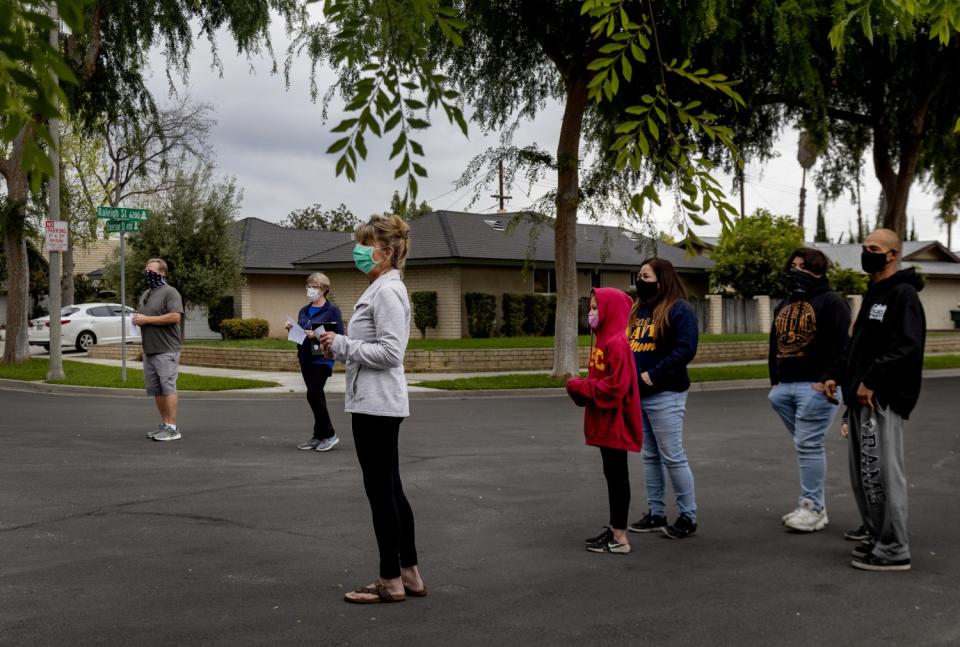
(85, 340)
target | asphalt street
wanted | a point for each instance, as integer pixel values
(233, 537)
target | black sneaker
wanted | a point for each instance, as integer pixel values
(649, 523)
(606, 535)
(683, 527)
(863, 549)
(871, 562)
(860, 534)
(607, 544)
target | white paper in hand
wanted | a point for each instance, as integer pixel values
(296, 334)
(132, 329)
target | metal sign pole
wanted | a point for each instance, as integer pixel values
(55, 366)
(123, 311)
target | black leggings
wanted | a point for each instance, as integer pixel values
(315, 377)
(375, 438)
(618, 485)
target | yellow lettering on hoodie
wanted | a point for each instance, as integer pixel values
(642, 336)
(597, 360)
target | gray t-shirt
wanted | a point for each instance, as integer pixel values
(160, 301)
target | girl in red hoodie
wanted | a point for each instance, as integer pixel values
(612, 419)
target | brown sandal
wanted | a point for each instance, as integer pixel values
(422, 593)
(379, 590)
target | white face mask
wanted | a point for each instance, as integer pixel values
(313, 293)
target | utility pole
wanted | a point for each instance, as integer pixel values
(55, 367)
(743, 201)
(500, 196)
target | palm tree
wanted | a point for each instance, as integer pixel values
(947, 218)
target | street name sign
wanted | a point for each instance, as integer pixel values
(113, 226)
(121, 213)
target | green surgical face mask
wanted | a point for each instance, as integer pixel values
(363, 258)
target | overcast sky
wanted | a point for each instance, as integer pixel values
(272, 140)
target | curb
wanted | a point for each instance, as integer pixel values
(435, 394)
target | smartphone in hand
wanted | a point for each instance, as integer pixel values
(328, 326)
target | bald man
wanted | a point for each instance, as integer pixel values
(881, 385)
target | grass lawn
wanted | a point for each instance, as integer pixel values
(697, 374)
(456, 344)
(84, 374)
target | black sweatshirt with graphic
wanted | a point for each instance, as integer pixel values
(886, 350)
(808, 335)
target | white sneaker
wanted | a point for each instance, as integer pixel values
(327, 444)
(806, 519)
(787, 516)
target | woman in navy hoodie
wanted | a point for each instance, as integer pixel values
(315, 368)
(663, 337)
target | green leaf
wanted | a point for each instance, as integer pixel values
(638, 54)
(866, 24)
(338, 145)
(392, 122)
(652, 127)
(404, 165)
(344, 125)
(627, 68)
(600, 64)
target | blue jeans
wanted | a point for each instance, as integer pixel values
(807, 415)
(663, 452)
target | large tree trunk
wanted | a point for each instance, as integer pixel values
(16, 347)
(565, 359)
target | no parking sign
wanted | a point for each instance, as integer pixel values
(56, 233)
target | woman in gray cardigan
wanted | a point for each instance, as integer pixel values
(376, 398)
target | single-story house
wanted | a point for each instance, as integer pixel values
(451, 253)
(939, 266)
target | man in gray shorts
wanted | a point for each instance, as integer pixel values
(160, 316)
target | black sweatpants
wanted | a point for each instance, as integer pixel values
(376, 440)
(618, 485)
(315, 377)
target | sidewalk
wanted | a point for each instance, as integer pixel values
(293, 383)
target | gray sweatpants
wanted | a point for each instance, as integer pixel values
(878, 478)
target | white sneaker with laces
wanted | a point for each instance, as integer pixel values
(806, 519)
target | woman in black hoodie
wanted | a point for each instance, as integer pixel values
(810, 333)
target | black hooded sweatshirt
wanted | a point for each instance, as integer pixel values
(808, 335)
(886, 350)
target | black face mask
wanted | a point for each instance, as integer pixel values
(152, 279)
(799, 281)
(646, 290)
(872, 262)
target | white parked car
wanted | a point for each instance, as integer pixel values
(83, 325)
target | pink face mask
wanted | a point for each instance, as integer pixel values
(594, 320)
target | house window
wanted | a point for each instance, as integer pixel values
(595, 279)
(544, 281)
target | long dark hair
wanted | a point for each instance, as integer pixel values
(671, 290)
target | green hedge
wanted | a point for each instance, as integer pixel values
(244, 328)
(219, 310)
(550, 329)
(512, 308)
(424, 311)
(535, 314)
(481, 313)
